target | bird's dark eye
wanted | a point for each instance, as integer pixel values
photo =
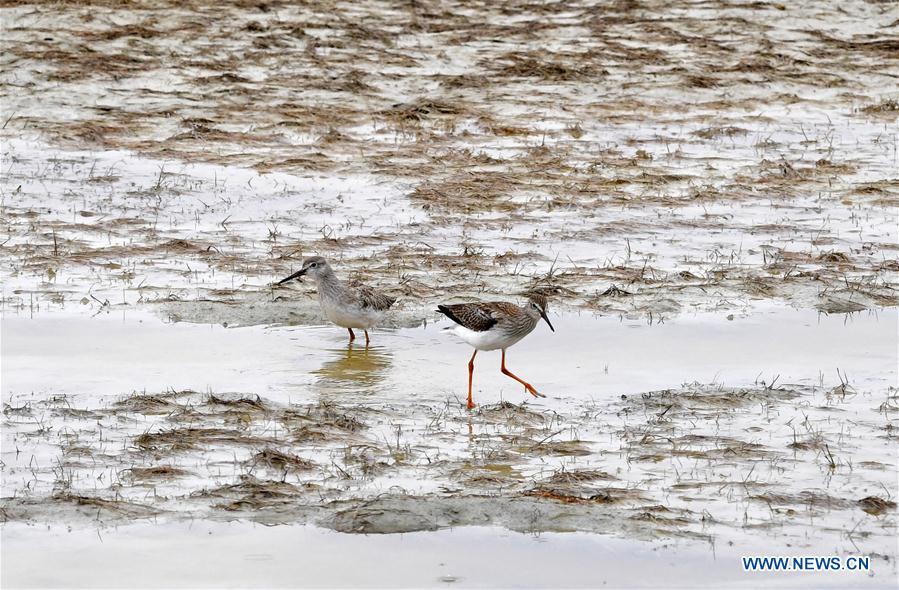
(314, 264)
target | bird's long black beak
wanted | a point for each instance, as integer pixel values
(546, 319)
(295, 275)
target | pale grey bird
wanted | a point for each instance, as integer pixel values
(496, 324)
(349, 305)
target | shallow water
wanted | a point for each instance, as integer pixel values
(206, 554)
(588, 357)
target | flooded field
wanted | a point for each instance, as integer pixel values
(707, 193)
(704, 432)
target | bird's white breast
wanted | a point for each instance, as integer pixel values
(492, 339)
(350, 316)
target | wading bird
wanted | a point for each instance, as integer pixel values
(349, 305)
(496, 324)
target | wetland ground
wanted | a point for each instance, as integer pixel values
(707, 191)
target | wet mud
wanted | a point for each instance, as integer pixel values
(627, 157)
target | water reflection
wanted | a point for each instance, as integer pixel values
(354, 366)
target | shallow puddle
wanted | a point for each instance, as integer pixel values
(206, 554)
(587, 358)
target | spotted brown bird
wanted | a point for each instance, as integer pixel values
(496, 324)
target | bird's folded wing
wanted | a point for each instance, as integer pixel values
(368, 298)
(474, 316)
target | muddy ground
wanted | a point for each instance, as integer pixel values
(637, 160)
(658, 464)
(638, 157)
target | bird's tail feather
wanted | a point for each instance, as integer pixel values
(448, 313)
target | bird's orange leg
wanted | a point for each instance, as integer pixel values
(366, 338)
(470, 374)
(527, 386)
(352, 336)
